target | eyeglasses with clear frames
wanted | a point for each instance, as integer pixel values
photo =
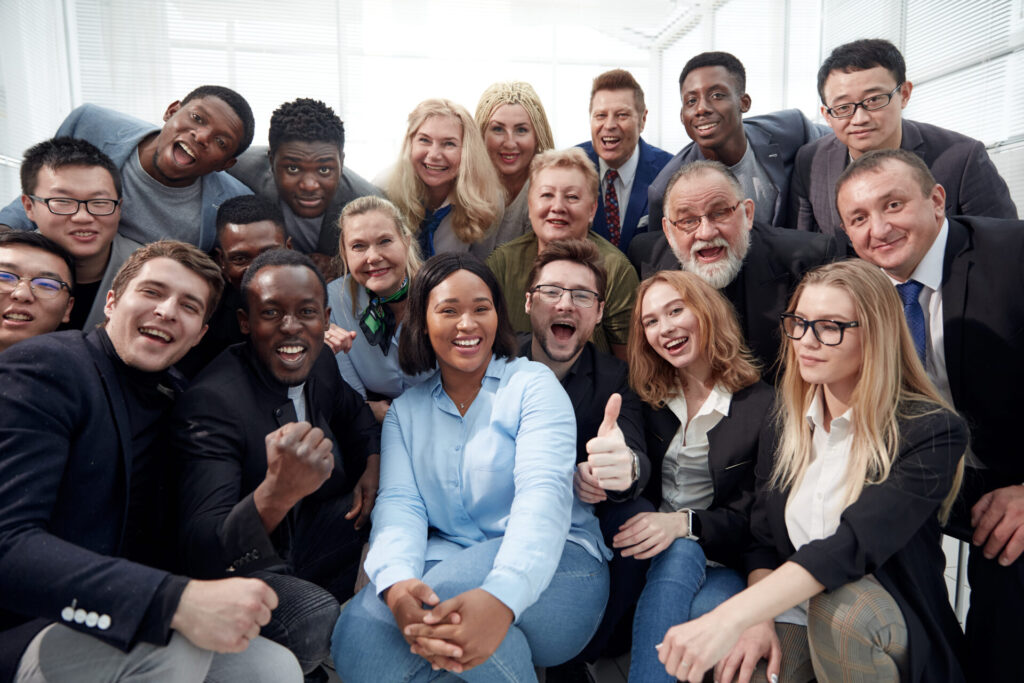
(845, 111)
(828, 332)
(552, 294)
(66, 206)
(42, 287)
(717, 216)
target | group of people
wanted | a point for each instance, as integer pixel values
(512, 407)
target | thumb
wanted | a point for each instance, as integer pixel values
(351, 334)
(611, 415)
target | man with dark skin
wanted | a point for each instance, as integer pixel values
(249, 503)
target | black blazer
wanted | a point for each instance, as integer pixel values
(218, 429)
(775, 264)
(891, 531)
(734, 444)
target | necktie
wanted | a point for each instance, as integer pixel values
(909, 292)
(611, 206)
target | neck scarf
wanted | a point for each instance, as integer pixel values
(377, 321)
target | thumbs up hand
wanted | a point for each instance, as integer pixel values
(610, 460)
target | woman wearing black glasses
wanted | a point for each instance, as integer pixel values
(847, 558)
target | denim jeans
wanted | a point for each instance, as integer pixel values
(680, 586)
(367, 645)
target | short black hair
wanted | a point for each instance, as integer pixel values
(248, 208)
(279, 257)
(722, 59)
(860, 55)
(56, 153)
(237, 104)
(38, 240)
(415, 354)
(305, 120)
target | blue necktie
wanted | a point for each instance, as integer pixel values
(909, 292)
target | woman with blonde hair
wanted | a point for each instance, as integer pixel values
(847, 557)
(444, 183)
(705, 408)
(378, 257)
(515, 128)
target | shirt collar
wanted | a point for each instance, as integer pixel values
(816, 413)
(496, 369)
(627, 170)
(718, 401)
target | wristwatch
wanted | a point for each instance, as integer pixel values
(692, 524)
(635, 475)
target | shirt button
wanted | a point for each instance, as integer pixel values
(103, 623)
(458, 448)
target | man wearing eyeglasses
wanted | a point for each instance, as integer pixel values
(863, 88)
(72, 192)
(36, 284)
(565, 304)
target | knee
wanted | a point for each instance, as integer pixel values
(683, 559)
(860, 612)
(362, 636)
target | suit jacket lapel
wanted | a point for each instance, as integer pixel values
(956, 268)
(638, 193)
(768, 154)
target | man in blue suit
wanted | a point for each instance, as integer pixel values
(760, 151)
(172, 177)
(625, 163)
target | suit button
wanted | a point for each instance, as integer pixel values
(79, 615)
(68, 613)
(103, 623)
(255, 554)
(91, 618)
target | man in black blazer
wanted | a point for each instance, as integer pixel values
(81, 492)
(961, 280)
(756, 267)
(863, 88)
(250, 504)
(759, 150)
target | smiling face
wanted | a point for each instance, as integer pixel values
(159, 315)
(198, 137)
(890, 222)
(462, 323)
(511, 142)
(23, 313)
(374, 252)
(563, 328)
(672, 330)
(306, 175)
(615, 125)
(714, 251)
(85, 236)
(561, 205)
(286, 321)
(866, 130)
(836, 367)
(436, 152)
(712, 111)
(240, 244)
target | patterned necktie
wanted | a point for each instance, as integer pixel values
(611, 206)
(909, 292)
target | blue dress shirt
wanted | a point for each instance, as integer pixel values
(504, 469)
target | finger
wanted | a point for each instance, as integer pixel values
(611, 414)
(988, 521)
(441, 635)
(443, 610)
(263, 614)
(252, 632)
(357, 503)
(726, 669)
(364, 514)
(424, 593)
(774, 660)
(980, 508)
(1013, 548)
(653, 548)
(267, 595)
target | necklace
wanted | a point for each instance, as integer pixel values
(467, 401)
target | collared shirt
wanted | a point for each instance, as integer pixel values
(298, 399)
(503, 470)
(685, 477)
(624, 183)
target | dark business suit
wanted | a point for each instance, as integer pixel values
(775, 138)
(774, 266)
(959, 163)
(253, 169)
(891, 531)
(65, 466)
(983, 338)
(732, 453)
(652, 160)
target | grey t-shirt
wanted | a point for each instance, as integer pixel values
(757, 185)
(152, 211)
(305, 232)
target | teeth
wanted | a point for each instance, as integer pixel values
(21, 317)
(609, 141)
(186, 149)
(467, 342)
(289, 349)
(431, 167)
(706, 126)
(149, 331)
(676, 342)
(83, 233)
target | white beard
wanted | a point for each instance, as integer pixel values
(721, 272)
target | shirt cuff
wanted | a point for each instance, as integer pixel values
(512, 590)
(389, 576)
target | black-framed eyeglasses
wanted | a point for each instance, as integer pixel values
(582, 298)
(66, 206)
(845, 111)
(717, 216)
(42, 287)
(828, 332)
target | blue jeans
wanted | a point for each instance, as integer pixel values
(680, 586)
(367, 645)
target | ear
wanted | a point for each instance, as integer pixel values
(243, 321)
(67, 310)
(29, 206)
(905, 91)
(172, 109)
(600, 313)
(327, 318)
(828, 119)
(200, 336)
(643, 121)
(527, 303)
(288, 243)
(748, 210)
(341, 161)
(938, 199)
(744, 103)
(110, 304)
(218, 255)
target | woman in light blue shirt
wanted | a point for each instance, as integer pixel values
(476, 517)
(379, 257)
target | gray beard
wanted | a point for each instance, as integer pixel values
(720, 273)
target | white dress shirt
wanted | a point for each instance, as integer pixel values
(624, 183)
(685, 477)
